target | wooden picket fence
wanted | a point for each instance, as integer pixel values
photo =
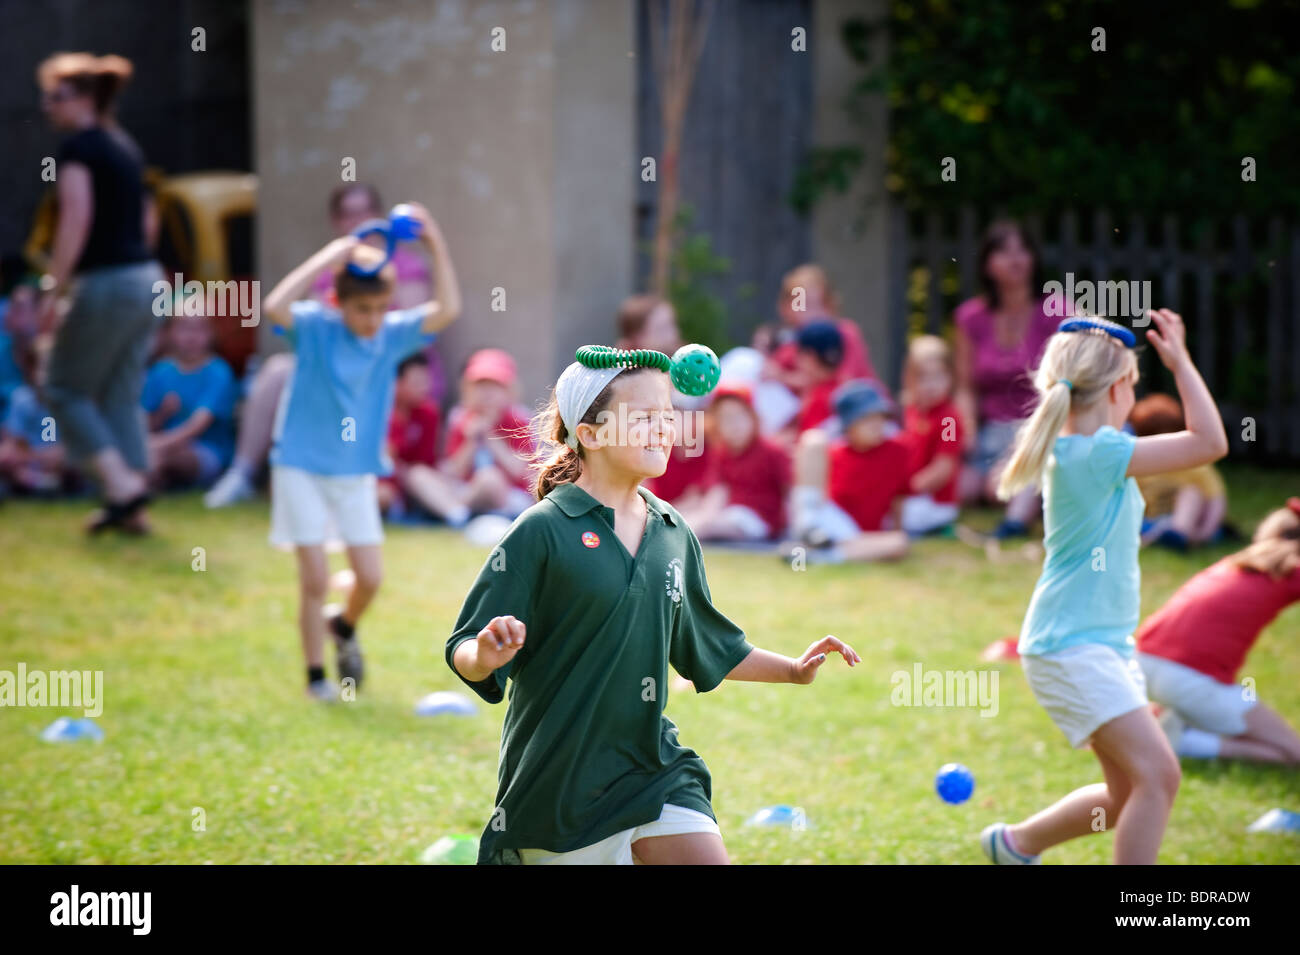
(1236, 283)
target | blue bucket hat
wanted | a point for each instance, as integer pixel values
(857, 398)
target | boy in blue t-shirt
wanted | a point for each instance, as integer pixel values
(332, 424)
(190, 399)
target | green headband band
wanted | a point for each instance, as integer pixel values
(603, 356)
(694, 369)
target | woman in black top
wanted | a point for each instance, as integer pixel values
(101, 261)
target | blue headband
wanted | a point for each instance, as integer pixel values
(1100, 325)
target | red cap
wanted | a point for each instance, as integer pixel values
(491, 364)
(1294, 504)
(734, 389)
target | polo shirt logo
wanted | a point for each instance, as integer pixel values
(674, 584)
(590, 539)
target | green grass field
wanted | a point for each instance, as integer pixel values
(204, 706)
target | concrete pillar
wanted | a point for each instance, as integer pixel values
(523, 155)
(850, 232)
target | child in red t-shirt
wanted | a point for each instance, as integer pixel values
(847, 495)
(933, 436)
(412, 437)
(747, 476)
(1193, 647)
(818, 359)
(486, 467)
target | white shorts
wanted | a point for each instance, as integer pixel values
(922, 514)
(746, 520)
(1084, 687)
(617, 849)
(833, 521)
(1201, 701)
(309, 509)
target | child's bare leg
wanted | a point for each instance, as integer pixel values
(313, 585)
(367, 563)
(1076, 814)
(875, 545)
(704, 515)
(1136, 744)
(436, 492)
(811, 459)
(970, 485)
(257, 417)
(177, 463)
(1268, 738)
(1212, 515)
(690, 848)
(1185, 518)
(1024, 507)
(487, 490)
(811, 470)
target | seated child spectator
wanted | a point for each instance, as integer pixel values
(847, 493)
(412, 438)
(1184, 508)
(487, 464)
(32, 461)
(932, 432)
(807, 296)
(818, 361)
(190, 398)
(1192, 649)
(748, 475)
(17, 323)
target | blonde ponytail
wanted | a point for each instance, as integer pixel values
(1077, 370)
(1034, 442)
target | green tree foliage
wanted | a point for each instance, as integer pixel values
(1038, 119)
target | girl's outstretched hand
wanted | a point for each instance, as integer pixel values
(806, 667)
(499, 641)
(1169, 337)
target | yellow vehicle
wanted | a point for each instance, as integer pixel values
(204, 233)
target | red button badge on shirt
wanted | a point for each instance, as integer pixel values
(590, 539)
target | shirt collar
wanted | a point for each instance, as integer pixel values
(575, 502)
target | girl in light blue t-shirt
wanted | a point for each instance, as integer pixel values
(1076, 643)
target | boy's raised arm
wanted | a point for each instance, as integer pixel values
(444, 308)
(296, 284)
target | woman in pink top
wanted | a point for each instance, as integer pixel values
(349, 206)
(1000, 335)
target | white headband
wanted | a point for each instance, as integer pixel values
(574, 393)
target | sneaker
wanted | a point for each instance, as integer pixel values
(347, 649)
(993, 840)
(231, 488)
(323, 691)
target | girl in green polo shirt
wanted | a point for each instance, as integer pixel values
(589, 597)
